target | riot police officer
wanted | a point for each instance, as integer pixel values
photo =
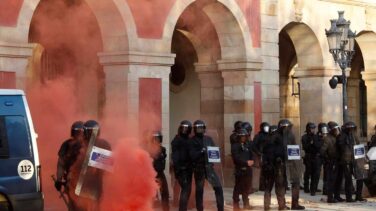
(322, 132)
(260, 138)
(312, 161)
(237, 127)
(182, 163)
(159, 164)
(93, 178)
(248, 127)
(286, 136)
(273, 168)
(242, 156)
(68, 153)
(345, 144)
(202, 169)
(330, 155)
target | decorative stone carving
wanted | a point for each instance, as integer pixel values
(299, 4)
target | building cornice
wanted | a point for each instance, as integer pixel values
(361, 3)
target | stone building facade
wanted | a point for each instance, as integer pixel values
(217, 60)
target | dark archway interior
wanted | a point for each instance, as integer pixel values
(358, 92)
(71, 38)
(289, 105)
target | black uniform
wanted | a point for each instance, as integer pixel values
(183, 168)
(159, 164)
(204, 170)
(273, 169)
(241, 154)
(68, 153)
(345, 146)
(312, 161)
(330, 155)
(258, 140)
(294, 169)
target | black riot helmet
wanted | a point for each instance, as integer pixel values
(265, 127)
(248, 127)
(242, 132)
(89, 126)
(237, 126)
(322, 128)
(199, 127)
(349, 127)
(334, 128)
(157, 136)
(284, 124)
(185, 128)
(273, 129)
(310, 127)
(77, 128)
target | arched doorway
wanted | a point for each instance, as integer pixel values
(192, 43)
(288, 83)
(66, 81)
(305, 95)
(364, 63)
(70, 36)
(357, 93)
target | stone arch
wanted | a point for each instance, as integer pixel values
(307, 46)
(301, 59)
(367, 45)
(113, 17)
(229, 22)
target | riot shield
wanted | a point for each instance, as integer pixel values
(294, 163)
(214, 170)
(361, 166)
(89, 180)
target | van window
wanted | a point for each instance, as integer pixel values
(17, 139)
(4, 149)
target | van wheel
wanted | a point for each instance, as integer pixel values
(4, 204)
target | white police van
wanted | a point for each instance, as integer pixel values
(20, 181)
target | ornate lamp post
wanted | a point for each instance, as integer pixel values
(341, 42)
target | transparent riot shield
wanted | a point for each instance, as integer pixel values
(89, 180)
(294, 163)
(215, 173)
(361, 166)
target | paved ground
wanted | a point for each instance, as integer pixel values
(310, 202)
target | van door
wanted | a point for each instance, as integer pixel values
(17, 167)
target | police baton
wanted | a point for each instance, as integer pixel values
(61, 193)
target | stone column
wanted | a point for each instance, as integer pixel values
(318, 102)
(353, 100)
(212, 100)
(239, 94)
(18, 59)
(369, 76)
(123, 71)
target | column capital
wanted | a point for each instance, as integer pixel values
(240, 65)
(369, 75)
(136, 58)
(16, 50)
(201, 68)
(320, 71)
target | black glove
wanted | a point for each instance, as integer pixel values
(58, 185)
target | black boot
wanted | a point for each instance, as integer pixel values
(297, 207)
(360, 198)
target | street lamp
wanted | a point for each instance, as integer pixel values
(341, 42)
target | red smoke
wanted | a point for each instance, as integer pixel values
(69, 87)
